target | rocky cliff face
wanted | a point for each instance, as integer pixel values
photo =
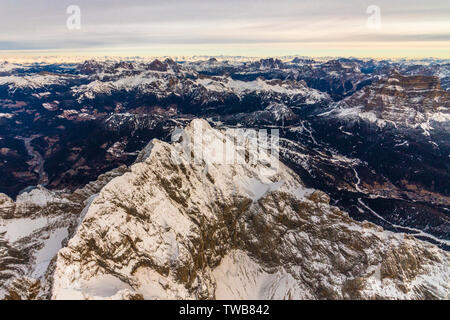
(32, 230)
(206, 230)
(410, 101)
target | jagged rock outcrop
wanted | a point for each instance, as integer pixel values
(32, 230)
(408, 101)
(179, 229)
(23, 289)
(7, 206)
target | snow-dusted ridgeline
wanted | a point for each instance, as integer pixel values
(166, 230)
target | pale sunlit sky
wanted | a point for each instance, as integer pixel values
(210, 27)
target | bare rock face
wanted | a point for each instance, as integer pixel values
(329, 256)
(157, 65)
(23, 289)
(412, 101)
(7, 205)
(205, 230)
(32, 230)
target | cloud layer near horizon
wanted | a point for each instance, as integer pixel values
(255, 27)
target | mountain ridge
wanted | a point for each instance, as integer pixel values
(165, 261)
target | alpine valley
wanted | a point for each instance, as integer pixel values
(93, 205)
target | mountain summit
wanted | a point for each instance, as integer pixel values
(205, 230)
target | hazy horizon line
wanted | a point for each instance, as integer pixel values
(70, 54)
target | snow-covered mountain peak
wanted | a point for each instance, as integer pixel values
(202, 229)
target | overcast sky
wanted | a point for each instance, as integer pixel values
(230, 27)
